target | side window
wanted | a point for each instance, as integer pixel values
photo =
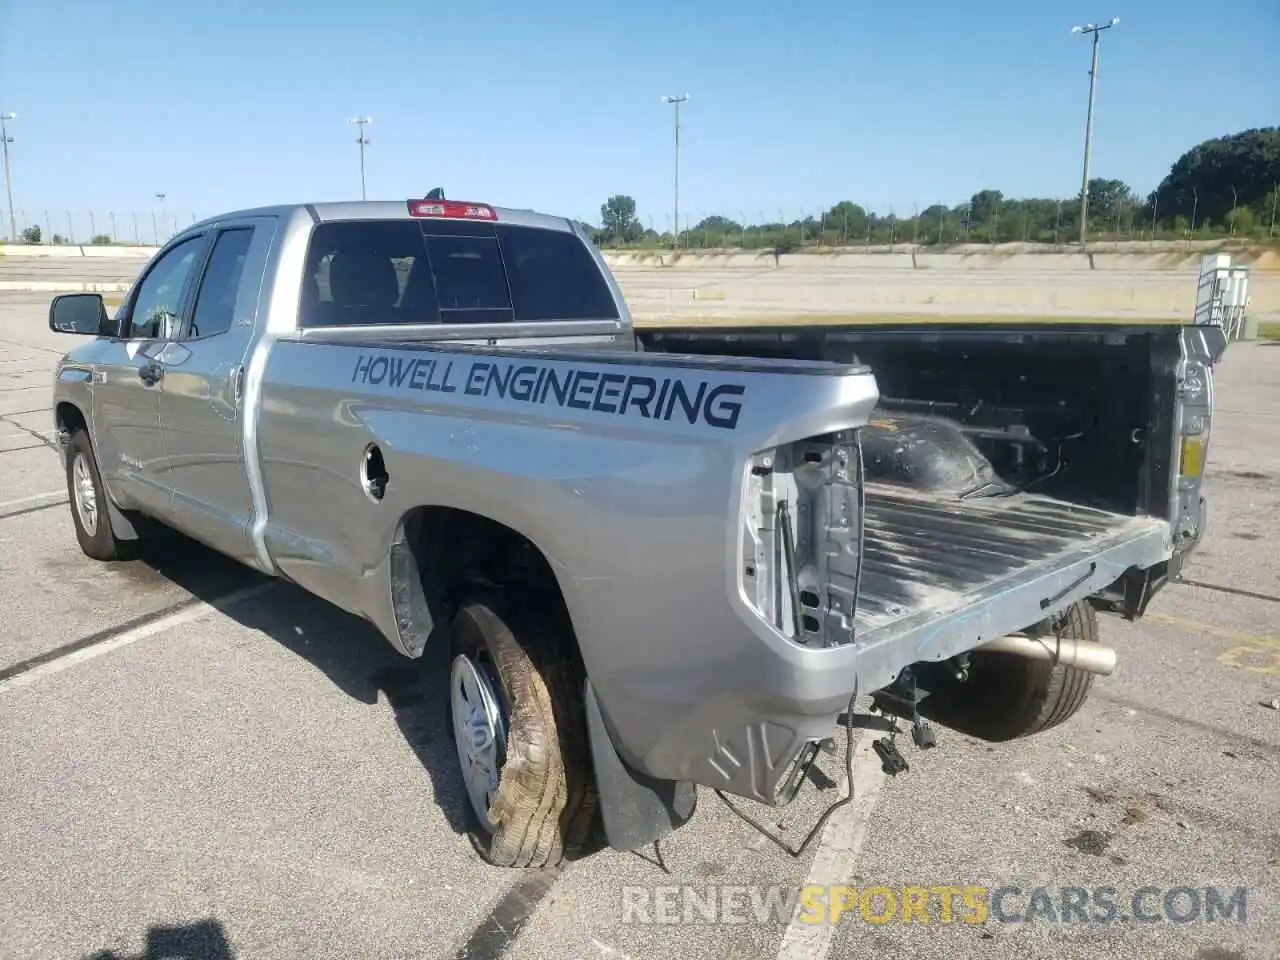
(553, 276)
(155, 309)
(367, 272)
(216, 300)
(471, 284)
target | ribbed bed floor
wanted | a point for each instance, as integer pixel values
(924, 553)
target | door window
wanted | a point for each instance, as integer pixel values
(216, 300)
(155, 313)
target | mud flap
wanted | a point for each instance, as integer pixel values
(636, 809)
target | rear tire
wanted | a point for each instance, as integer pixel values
(87, 497)
(1007, 696)
(531, 679)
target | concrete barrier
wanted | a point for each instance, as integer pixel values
(29, 252)
(64, 286)
(1005, 257)
(110, 253)
(67, 251)
(1137, 282)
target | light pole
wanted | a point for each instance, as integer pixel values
(5, 140)
(675, 237)
(163, 233)
(362, 140)
(1094, 30)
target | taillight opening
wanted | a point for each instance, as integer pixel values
(455, 209)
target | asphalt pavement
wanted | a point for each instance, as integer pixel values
(202, 762)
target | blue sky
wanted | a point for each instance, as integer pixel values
(555, 104)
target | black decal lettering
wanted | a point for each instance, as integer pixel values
(585, 378)
(377, 374)
(523, 382)
(557, 385)
(445, 385)
(400, 368)
(477, 373)
(431, 382)
(681, 395)
(723, 413)
(661, 402)
(418, 380)
(539, 391)
(500, 380)
(361, 371)
(607, 395)
(638, 393)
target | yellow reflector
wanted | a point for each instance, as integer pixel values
(1192, 457)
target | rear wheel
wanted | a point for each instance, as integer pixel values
(515, 703)
(1007, 696)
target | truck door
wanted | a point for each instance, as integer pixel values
(126, 394)
(202, 409)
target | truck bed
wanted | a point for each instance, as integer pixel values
(926, 558)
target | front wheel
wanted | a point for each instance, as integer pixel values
(515, 704)
(88, 500)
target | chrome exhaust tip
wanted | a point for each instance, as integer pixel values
(1089, 657)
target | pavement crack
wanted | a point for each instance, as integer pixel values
(36, 509)
(1264, 746)
(500, 929)
(5, 417)
(1234, 591)
(31, 346)
(101, 636)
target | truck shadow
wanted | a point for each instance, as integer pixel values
(350, 652)
(203, 940)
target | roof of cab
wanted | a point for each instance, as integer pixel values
(381, 210)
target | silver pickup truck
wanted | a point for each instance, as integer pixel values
(647, 560)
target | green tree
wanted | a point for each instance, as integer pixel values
(1240, 221)
(31, 234)
(715, 232)
(1236, 178)
(1218, 175)
(618, 215)
(984, 206)
(849, 219)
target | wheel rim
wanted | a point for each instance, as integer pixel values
(480, 732)
(86, 496)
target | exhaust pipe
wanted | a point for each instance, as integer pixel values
(1089, 657)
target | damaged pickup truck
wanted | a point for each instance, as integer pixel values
(644, 560)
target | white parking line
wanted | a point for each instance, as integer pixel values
(838, 848)
(188, 615)
(22, 501)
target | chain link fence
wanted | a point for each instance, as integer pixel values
(102, 227)
(994, 220)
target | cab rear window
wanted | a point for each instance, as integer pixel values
(365, 272)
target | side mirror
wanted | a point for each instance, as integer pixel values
(82, 313)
